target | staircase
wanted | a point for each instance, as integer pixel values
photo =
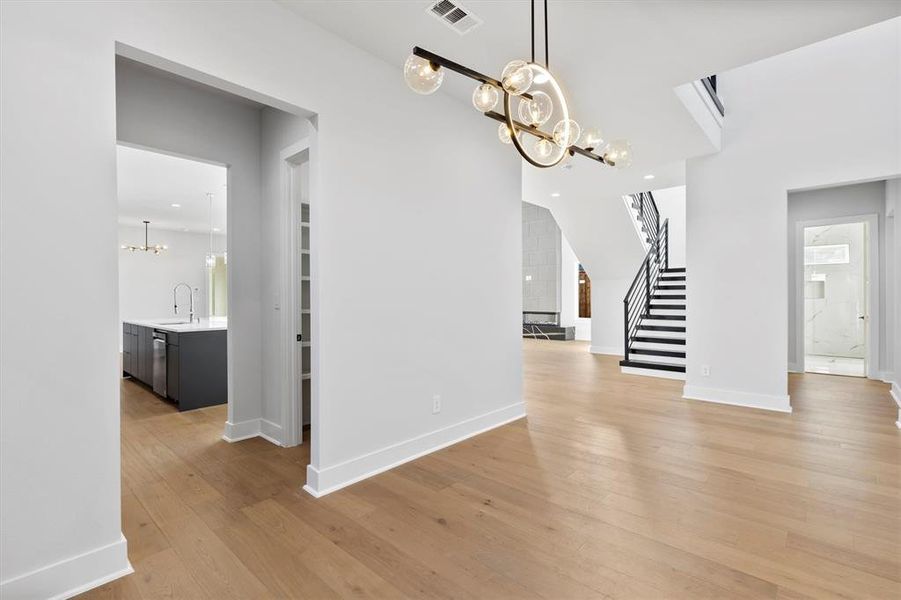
(654, 306)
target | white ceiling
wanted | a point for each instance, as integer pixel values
(618, 61)
(149, 183)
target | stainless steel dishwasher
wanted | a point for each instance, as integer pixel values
(159, 363)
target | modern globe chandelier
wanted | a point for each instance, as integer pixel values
(540, 128)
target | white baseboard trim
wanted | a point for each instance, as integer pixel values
(885, 376)
(325, 481)
(72, 576)
(780, 403)
(244, 430)
(612, 350)
(272, 432)
(793, 368)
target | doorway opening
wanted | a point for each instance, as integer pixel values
(838, 283)
(172, 280)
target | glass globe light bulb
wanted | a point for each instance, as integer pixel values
(516, 77)
(619, 152)
(536, 111)
(503, 134)
(485, 97)
(566, 136)
(420, 76)
(592, 138)
(543, 148)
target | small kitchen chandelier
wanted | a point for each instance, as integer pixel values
(540, 128)
(156, 248)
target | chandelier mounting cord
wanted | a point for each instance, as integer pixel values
(532, 15)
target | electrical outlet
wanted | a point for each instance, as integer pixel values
(705, 370)
(436, 404)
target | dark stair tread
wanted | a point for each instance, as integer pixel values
(674, 270)
(663, 317)
(667, 296)
(668, 306)
(658, 340)
(672, 277)
(638, 364)
(670, 328)
(670, 287)
(653, 352)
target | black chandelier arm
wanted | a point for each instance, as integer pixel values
(542, 134)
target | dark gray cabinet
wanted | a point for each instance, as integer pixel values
(172, 367)
(137, 352)
(196, 364)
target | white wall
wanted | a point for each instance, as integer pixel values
(607, 315)
(164, 113)
(671, 204)
(146, 280)
(826, 203)
(821, 115)
(569, 292)
(375, 393)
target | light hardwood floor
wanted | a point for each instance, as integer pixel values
(613, 487)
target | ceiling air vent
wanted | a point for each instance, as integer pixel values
(453, 15)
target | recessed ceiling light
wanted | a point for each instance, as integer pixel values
(175, 205)
(215, 229)
(649, 177)
(555, 195)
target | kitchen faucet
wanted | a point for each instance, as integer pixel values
(175, 298)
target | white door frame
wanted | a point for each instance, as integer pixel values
(292, 408)
(872, 323)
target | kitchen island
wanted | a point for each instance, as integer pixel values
(185, 362)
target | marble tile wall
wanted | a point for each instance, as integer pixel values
(832, 326)
(541, 249)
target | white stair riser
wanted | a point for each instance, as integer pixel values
(666, 311)
(675, 335)
(653, 373)
(658, 346)
(664, 322)
(672, 360)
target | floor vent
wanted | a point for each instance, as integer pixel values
(457, 17)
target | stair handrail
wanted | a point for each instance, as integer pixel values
(638, 299)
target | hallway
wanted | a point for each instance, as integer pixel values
(613, 487)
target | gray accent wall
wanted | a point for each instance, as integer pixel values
(541, 253)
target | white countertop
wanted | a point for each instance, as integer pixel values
(177, 325)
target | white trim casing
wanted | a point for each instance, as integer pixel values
(65, 579)
(326, 481)
(873, 314)
(895, 392)
(779, 403)
(291, 411)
